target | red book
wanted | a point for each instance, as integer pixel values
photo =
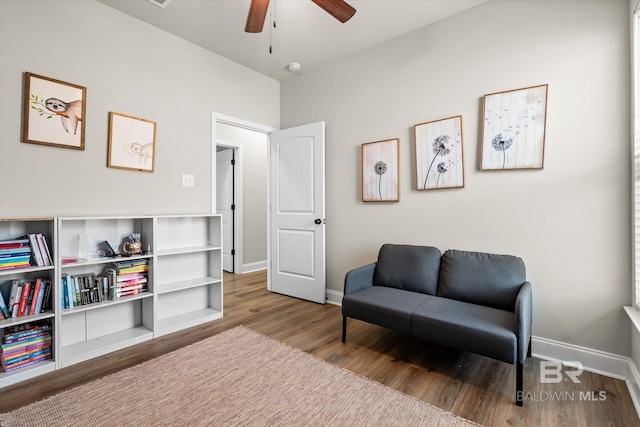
(23, 299)
(32, 309)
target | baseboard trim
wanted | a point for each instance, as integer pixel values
(334, 297)
(253, 266)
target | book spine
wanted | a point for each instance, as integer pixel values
(26, 288)
(34, 300)
(16, 302)
(65, 291)
(35, 250)
(3, 308)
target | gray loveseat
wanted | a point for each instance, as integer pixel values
(471, 301)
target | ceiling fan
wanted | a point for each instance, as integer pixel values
(339, 9)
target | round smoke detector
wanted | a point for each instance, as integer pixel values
(294, 67)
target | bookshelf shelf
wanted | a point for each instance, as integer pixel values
(183, 282)
(15, 321)
(101, 261)
(186, 284)
(32, 269)
(13, 377)
(85, 350)
(186, 320)
(99, 305)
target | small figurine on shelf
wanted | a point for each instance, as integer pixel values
(133, 245)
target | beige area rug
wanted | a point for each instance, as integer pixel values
(239, 377)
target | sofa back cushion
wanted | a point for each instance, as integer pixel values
(414, 268)
(480, 278)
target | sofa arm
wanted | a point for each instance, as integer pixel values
(359, 278)
(524, 318)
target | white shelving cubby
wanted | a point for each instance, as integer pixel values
(11, 229)
(88, 331)
(188, 271)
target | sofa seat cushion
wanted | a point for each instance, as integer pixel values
(387, 307)
(483, 330)
(414, 268)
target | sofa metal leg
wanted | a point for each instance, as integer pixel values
(519, 385)
(344, 328)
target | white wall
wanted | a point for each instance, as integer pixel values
(129, 67)
(569, 222)
(254, 189)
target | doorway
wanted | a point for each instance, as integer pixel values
(245, 243)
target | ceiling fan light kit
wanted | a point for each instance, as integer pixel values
(339, 9)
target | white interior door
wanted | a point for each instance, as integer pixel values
(224, 202)
(297, 230)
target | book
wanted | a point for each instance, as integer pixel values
(40, 298)
(3, 308)
(65, 291)
(26, 288)
(46, 301)
(30, 299)
(18, 254)
(12, 296)
(17, 250)
(44, 249)
(34, 298)
(35, 250)
(16, 302)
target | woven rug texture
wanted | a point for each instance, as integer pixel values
(237, 378)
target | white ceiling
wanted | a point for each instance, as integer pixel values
(304, 33)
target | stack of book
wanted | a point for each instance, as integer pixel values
(82, 289)
(26, 298)
(130, 277)
(25, 345)
(14, 253)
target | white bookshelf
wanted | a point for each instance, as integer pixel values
(12, 229)
(188, 267)
(184, 287)
(92, 330)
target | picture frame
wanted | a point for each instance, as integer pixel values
(44, 100)
(381, 171)
(439, 154)
(514, 129)
(132, 143)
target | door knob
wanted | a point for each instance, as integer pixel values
(318, 221)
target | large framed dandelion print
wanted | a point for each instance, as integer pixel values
(439, 154)
(513, 129)
(381, 171)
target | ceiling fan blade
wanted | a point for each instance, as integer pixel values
(339, 9)
(256, 16)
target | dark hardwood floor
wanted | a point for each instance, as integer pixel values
(471, 386)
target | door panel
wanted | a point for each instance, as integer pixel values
(297, 230)
(224, 200)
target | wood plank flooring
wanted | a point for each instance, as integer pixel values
(468, 385)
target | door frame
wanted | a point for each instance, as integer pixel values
(237, 195)
(256, 127)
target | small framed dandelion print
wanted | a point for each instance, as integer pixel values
(132, 143)
(439, 154)
(513, 129)
(381, 171)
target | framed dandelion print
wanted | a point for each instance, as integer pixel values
(54, 112)
(132, 143)
(513, 129)
(380, 171)
(439, 154)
